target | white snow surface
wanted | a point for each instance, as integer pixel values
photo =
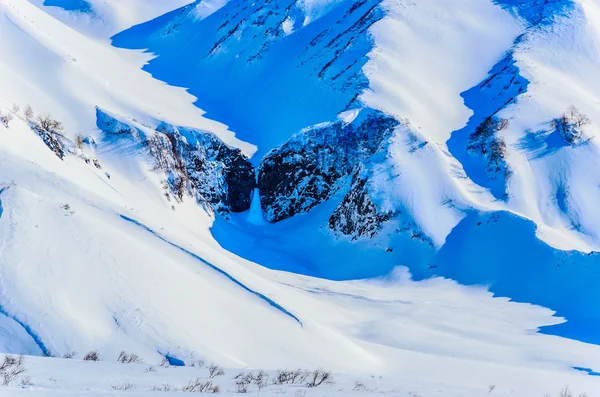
(89, 262)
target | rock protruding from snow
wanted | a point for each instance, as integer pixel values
(194, 162)
(305, 171)
(357, 215)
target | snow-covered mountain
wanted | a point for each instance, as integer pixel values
(249, 182)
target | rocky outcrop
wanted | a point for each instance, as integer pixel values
(195, 163)
(305, 171)
(357, 215)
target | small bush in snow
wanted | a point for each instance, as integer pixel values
(214, 370)
(243, 381)
(6, 119)
(359, 386)
(165, 363)
(198, 386)
(197, 363)
(150, 369)
(570, 125)
(125, 358)
(12, 369)
(79, 142)
(28, 113)
(290, 377)
(92, 356)
(70, 355)
(47, 123)
(319, 377)
(261, 379)
(164, 387)
(124, 387)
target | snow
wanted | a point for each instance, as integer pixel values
(90, 262)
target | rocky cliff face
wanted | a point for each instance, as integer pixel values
(307, 169)
(195, 163)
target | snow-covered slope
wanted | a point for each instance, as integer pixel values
(368, 135)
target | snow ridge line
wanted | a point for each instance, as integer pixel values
(270, 301)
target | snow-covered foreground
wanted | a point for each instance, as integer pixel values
(61, 377)
(108, 266)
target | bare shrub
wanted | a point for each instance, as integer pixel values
(319, 377)
(28, 113)
(11, 369)
(124, 387)
(6, 118)
(165, 363)
(491, 388)
(290, 377)
(197, 363)
(243, 381)
(566, 392)
(79, 142)
(359, 386)
(570, 124)
(70, 355)
(214, 370)
(125, 358)
(164, 387)
(92, 356)
(261, 379)
(150, 369)
(198, 386)
(47, 123)
(25, 381)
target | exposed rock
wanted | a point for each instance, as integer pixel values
(357, 215)
(194, 162)
(305, 171)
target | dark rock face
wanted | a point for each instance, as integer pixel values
(220, 175)
(357, 216)
(194, 162)
(52, 140)
(305, 171)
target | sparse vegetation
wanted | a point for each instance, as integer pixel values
(359, 386)
(125, 358)
(290, 377)
(261, 379)
(92, 356)
(12, 370)
(79, 141)
(319, 377)
(28, 113)
(70, 355)
(485, 142)
(47, 123)
(198, 386)
(214, 370)
(6, 118)
(243, 382)
(570, 125)
(164, 387)
(124, 387)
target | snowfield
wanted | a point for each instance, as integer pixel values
(96, 255)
